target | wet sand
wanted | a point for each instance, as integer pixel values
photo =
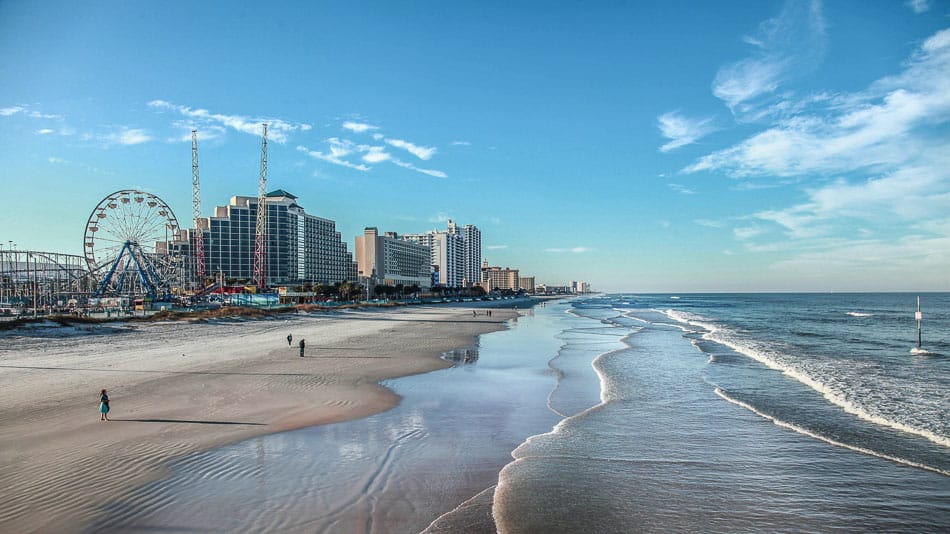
(179, 388)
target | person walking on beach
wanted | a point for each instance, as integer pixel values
(302, 345)
(103, 405)
(290, 337)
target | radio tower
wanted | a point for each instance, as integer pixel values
(196, 210)
(260, 243)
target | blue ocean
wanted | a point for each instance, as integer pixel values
(620, 413)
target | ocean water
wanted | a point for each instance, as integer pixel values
(749, 413)
(619, 413)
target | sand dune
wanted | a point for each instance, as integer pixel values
(178, 388)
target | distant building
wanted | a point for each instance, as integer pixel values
(300, 247)
(498, 278)
(472, 252)
(580, 287)
(446, 255)
(526, 283)
(387, 259)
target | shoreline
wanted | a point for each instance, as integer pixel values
(179, 388)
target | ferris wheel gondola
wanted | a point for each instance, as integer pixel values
(126, 245)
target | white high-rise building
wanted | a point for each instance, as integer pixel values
(447, 256)
(472, 252)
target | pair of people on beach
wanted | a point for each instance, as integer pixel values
(104, 405)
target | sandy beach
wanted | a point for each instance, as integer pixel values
(177, 388)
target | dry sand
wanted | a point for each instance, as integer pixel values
(178, 388)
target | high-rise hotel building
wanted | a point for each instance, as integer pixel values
(446, 256)
(300, 247)
(388, 259)
(472, 252)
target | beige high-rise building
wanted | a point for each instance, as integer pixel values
(387, 259)
(526, 283)
(498, 278)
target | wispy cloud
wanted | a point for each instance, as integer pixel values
(26, 111)
(124, 136)
(440, 217)
(278, 130)
(67, 163)
(496, 247)
(343, 152)
(869, 129)
(461, 143)
(430, 172)
(421, 152)
(337, 151)
(919, 6)
(12, 110)
(572, 250)
(784, 47)
(918, 194)
(682, 130)
(358, 127)
(375, 154)
(746, 232)
(681, 189)
(45, 131)
(874, 171)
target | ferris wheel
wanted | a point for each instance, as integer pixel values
(126, 245)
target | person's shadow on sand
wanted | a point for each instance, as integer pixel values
(188, 421)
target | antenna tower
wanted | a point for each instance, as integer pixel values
(260, 242)
(199, 243)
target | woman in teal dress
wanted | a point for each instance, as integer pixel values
(103, 406)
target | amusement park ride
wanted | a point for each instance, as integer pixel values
(125, 245)
(126, 242)
(132, 247)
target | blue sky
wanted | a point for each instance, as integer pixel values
(642, 146)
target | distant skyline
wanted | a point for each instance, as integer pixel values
(672, 146)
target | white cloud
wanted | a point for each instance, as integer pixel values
(875, 165)
(785, 47)
(572, 250)
(919, 6)
(65, 162)
(430, 172)
(681, 130)
(133, 136)
(896, 200)
(681, 189)
(709, 223)
(440, 217)
(45, 131)
(277, 130)
(358, 127)
(461, 143)
(496, 247)
(123, 136)
(205, 133)
(25, 110)
(333, 158)
(375, 154)
(747, 232)
(873, 129)
(12, 110)
(421, 152)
